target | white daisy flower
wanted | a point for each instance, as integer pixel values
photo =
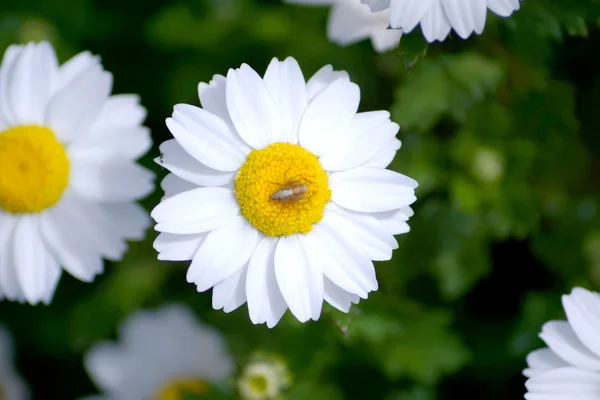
(569, 368)
(279, 193)
(438, 17)
(264, 378)
(68, 177)
(350, 22)
(12, 386)
(162, 355)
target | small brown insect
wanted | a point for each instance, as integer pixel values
(291, 191)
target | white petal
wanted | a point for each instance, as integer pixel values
(368, 189)
(542, 360)
(361, 268)
(37, 271)
(300, 284)
(564, 384)
(466, 16)
(386, 39)
(407, 14)
(178, 161)
(129, 141)
(10, 58)
(213, 97)
(583, 312)
(503, 8)
(561, 339)
(72, 249)
(31, 83)
(196, 211)
(395, 221)
(109, 179)
(230, 293)
(337, 296)
(285, 83)
(121, 110)
(368, 134)
(74, 67)
(376, 241)
(175, 247)
(224, 251)
(384, 157)
(435, 25)
(9, 284)
(252, 108)
(173, 185)
(207, 138)
(73, 110)
(265, 302)
(324, 254)
(328, 116)
(323, 78)
(348, 23)
(377, 5)
(131, 219)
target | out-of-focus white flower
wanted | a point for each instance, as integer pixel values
(68, 176)
(12, 386)
(279, 192)
(350, 22)
(161, 355)
(438, 17)
(264, 378)
(569, 368)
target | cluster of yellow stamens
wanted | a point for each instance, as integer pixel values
(282, 168)
(34, 169)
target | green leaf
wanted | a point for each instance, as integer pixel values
(449, 85)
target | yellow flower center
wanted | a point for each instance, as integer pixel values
(177, 389)
(34, 169)
(258, 383)
(282, 189)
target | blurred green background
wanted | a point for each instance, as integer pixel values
(502, 131)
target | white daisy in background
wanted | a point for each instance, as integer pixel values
(12, 386)
(569, 368)
(264, 377)
(279, 193)
(350, 22)
(68, 177)
(162, 355)
(438, 17)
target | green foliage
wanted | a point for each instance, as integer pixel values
(500, 131)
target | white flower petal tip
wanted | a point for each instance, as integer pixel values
(85, 210)
(278, 192)
(570, 366)
(438, 17)
(350, 22)
(157, 349)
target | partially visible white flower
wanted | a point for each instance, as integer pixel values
(68, 175)
(161, 355)
(438, 17)
(350, 22)
(569, 368)
(264, 378)
(12, 386)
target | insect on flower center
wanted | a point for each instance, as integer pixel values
(282, 189)
(34, 169)
(177, 389)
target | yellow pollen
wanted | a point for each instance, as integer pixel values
(258, 383)
(177, 389)
(296, 176)
(34, 169)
